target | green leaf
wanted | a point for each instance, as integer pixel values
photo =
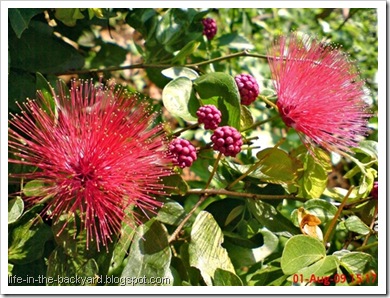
(175, 184)
(268, 276)
(179, 71)
(47, 91)
(269, 217)
(149, 256)
(27, 52)
(235, 41)
(176, 97)
(21, 85)
(356, 262)
(62, 267)
(205, 250)
(20, 18)
(122, 246)
(324, 267)
(34, 188)
(15, 209)
(186, 51)
(234, 214)
(109, 55)
(10, 268)
(369, 148)
(172, 213)
(301, 251)
(315, 174)
(222, 86)
(246, 118)
(276, 165)
(27, 240)
(226, 278)
(243, 256)
(355, 224)
(68, 16)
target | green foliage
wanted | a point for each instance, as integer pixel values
(221, 90)
(205, 250)
(228, 221)
(149, 255)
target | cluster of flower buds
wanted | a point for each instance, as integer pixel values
(225, 139)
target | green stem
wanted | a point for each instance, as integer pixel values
(243, 195)
(214, 170)
(195, 66)
(336, 216)
(258, 123)
(268, 102)
(178, 133)
(368, 246)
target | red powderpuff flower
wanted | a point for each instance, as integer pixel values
(319, 93)
(97, 156)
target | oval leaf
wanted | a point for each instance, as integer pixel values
(355, 224)
(222, 86)
(34, 188)
(205, 250)
(176, 96)
(226, 278)
(172, 213)
(276, 166)
(15, 209)
(246, 119)
(178, 71)
(324, 267)
(301, 251)
(356, 262)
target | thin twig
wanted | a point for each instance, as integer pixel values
(195, 66)
(179, 132)
(244, 195)
(336, 216)
(371, 226)
(260, 123)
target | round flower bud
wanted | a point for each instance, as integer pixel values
(248, 88)
(209, 28)
(210, 116)
(183, 152)
(227, 140)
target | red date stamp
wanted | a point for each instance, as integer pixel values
(357, 279)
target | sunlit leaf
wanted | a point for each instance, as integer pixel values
(205, 250)
(176, 97)
(178, 71)
(355, 224)
(301, 251)
(324, 267)
(171, 213)
(356, 262)
(15, 209)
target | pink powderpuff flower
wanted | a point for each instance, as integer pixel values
(319, 92)
(97, 155)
